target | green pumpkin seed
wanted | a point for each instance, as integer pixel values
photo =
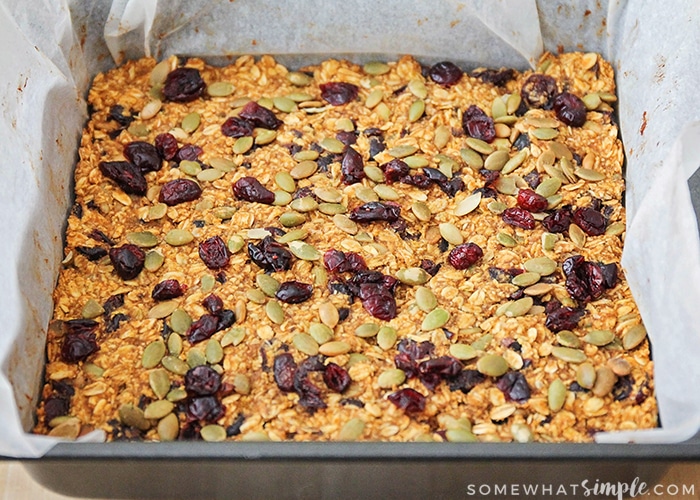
(367, 330)
(553, 201)
(178, 237)
(195, 357)
(344, 223)
(471, 158)
(300, 97)
(160, 382)
(189, 167)
(320, 275)
(220, 89)
(519, 307)
(479, 146)
(418, 89)
(157, 211)
(549, 240)
(425, 299)
(92, 309)
(235, 243)
(334, 348)
(556, 395)
(93, 370)
(168, 428)
(567, 338)
(620, 366)
(513, 103)
(153, 261)
(496, 160)
(634, 336)
(282, 198)
(344, 124)
(299, 79)
(463, 352)
(515, 161)
(256, 296)
(605, 380)
(482, 343)
(376, 68)
(386, 337)
(329, 314)
(538, 289)
(544, 133)
(174, 344)
(224, 213)
(162, 309)
(436, 318)
(460, 436)
(321, 333)
(158, 409)
(374, 98)
(213, 433)
(544, 266)
(332, 208)
(132, 416)
(305, 343)
(591, 101)
(152, 354)
(243, 145)
(416, 161)
(304, 251)
(578, 237)
(589, 175)
(284, 104)
(568, 354)
(255, 436)
(233, 337)
(442, 136)
(160, 71)
(365, 194)
(151, 109)
(292, 219)
(586, 375)
(267, 284)
(306, 155)
(416, 110)
(332, 145)
(210, 175)
(258, 233)
(274, 312)
(263, 136)
(496, 207)
(374, 173)
(383, 111)
(467, 205)
(412, 276)
(303, 170)
(451, 233)
(506, 185)
(191, 122)
(138, 130)
(143, 239)
(304, 204)
(492, 365)
(178, 394)
(391, 378)
(352, 430)
(615, 229)
(266, 102)
(329, 195)
(421, 211)
(525, 279)
(402, 151)
(241, 383)
(506, 240)
(498, 108)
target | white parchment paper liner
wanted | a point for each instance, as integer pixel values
(58, 46)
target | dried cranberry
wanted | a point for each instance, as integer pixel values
(523, 141)
(260, 116)
(80, 326)
(284, 370)
(395, 170)
(127, 260)
(421, 181)
(168, 289)
(55, 406)
(166, 145)
(529, 200)
(380, 306)
(609, 274)
(416, 350)
(465, 255)
(270, 255)
(235, 428)
(144, 155)
(309, 395)
(408, 400)
(213, 303)
(561, 317)
(500, 275)
(183, 85)
(376, 146)
(478, 124)
(347, 138)
(250, 189)
(226, 318)
(116, 113)
(590, 220)
(538, 91)
(202, 329)
(336, 377)
(570, 109)
(78, 346)
(445, 73)
(434, 175)
(337, 261)
(584, 280)
(432, 371)
(91, 253)
(452, 186)
(351, 167)
(376, 211)
(189, 152)
(214, 253)
(518, 217)
(202, 381)
(466, 380)
(514, 385)
(622, 388)
(338, 93)
(113, 322)
(206, 408)
(559, 221)
(498, 77)
(127, 176)
(294, 292)
(237, 127)
(113, 303)
(179, 191)
(430, 266)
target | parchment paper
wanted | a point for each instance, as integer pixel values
(58, 46)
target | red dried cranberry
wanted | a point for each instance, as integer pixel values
(270, 255)
(91, 253)
(380, 306)
(466, 380)
(260, 116)
(529, 200)
(284, 369)
(430, 266)
(250, 189)
(168, 289)
(144, 155)
(584, 280)
(179, 191)
(538, 91)
(113, 303)
(78, 346)
(351, 167)
(341, 262)
(189, 152)
(562, 317)
(127, 260)
(80, 326)
(376, 146)
(336, 377)
(515, 387)
(465, 255)
(202, 329)
(452, 186)
(445, 73)
(237, 127)
(127, 176)
(376, 211)
(214, 253)
(213, 303)
(518, 217)
(408, 400)
(294, 292)
(609, 274)
(590, 220)
(478, 124)
(206, 408)
(202, 381)
(559, 221)
(166, 145)
(570, 109)
(421, 181)
(416, 350)
(338, 93)
(55, 406)
(226, 318)
(434, 175)
(309, 395)
(116, 113)
(395, 170)
(347, 138)
(498, 77)
(183, 85)
(432, 371)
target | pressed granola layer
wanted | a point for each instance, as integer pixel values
(486, 345)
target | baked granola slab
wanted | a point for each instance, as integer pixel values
(379, 252)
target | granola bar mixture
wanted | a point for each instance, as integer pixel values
(378, 252)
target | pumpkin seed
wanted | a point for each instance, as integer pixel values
(143, 239)
(496, 207)
(374, 98)
(152, 354)
(538, 289)
(386, 337)
(332, 145)
(329, 195)
(256, 296)
(168, 428)
(267, 284)
(344, 124)
(365, 194)
(482, 342)
(334, 348)
(153, 261)
(255, 436)
(442, 136)
(157, 211)
(460, 436)
(294, 235)
(589, 175)
(158, 409)
(92, 309)
(605, 380)
(332, 208)
(544, 133)
(391, 378)
(243, 144)
(496, 160)
(241, 383)
(525, 279)
(284, 104)
(320, 332)
(195, 357)
(132, 416)
(138, 129)
(521, 432)
(569, 354)
(263, 136)
(178, 237)
(258, 233)
(506, 185)
(292, 219)
(304, 251)
(367, 330)
(425, 299)
(151, 109)
(498, 108)
(479, 146)
(352, 430)
(305, 343)
(329, 314)
(591, 101)
(189, 167)
(300, 97)
(383, 111)
(418, 88)
(519, 307)
(178, 394)
(421, 211)
(274, 312)
(436, 318)
(586, 375)
(282, 198)
(620, 366)
(299, 79)
(599, 337)
(513, 103)
(553, 201)
(224, 213)
(191, 122)
(541, 265)
(556, 395)
(615, 229)
(210, 175)
(471, 158)
(549, 240)
(515, 161)
(233, 337)
(416, 161)
(213, 433)
(307, 154)
(402, 151)
(386, 192)
(344, 223)
(468, 204)
(492, 365)
(304, 204)
(451, 233)
(159, 381)
(220, 89)
(174, 344)
(633, 337)
(412, 276)
(416, 110)
(320, 275)
(376, 68)
(93, 370)
(303, 170)
(235, 243)
(374, 173)
(463, 352)
(506, 240)
(162, 309)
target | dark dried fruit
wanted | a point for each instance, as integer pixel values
(127, 260)
(376, 211)
(55, 406)
(235, 428)
(408, 400)
(202, 381)
(445, 73)
(347, 138)
(116, 113)
(515, 387)
(80, 326)
(561, 317)
(523, 141)
(622, 388)
(113, 303)
(113, 322)
(498, 77)
(206, 408)
(586, 281)
(609, 274)
(337, 261)
(570, 109)
(336, 377)
(166, 145)
(237, 127)
(591, 221)
(529, 200)
(432, 371)
(518, 217)
(179, 191)
(380, 306)
(338, 93)
(202, 329)
(78, 346)
(270, 255)
(416, 350)
(430, 267)
(127, 176)
(189, 152)
(143, 155)
(214, 253)
(478, 124)
(351, 167)
(421, 181)
(250, 189)
(465, 255)
(91, 253)
(294, 292)
(538, 91)
(559, 221)
(500, 275)
(376, 146)
(260, 116)
(168, 289)
(452, 186)
(213, 303)
(395, 170)
(284, 370)
(466, 380)
(226, 318)
(183, 85)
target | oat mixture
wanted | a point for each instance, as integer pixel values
(344, 252)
